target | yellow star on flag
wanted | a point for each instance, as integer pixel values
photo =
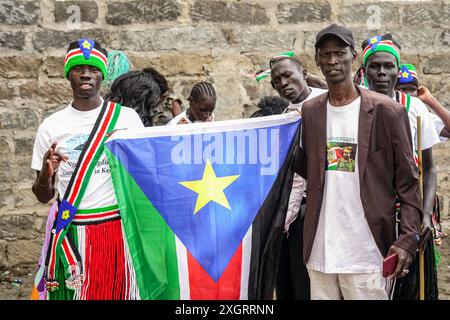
(65, 214)
(405, 74)
(210, 188)
(86, 44)
(373, 40)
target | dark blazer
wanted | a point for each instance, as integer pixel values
(386, 169)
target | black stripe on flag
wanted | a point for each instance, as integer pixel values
(267, 229)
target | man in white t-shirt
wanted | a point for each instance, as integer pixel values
(349, 224)
(288, 78)
(382, 60)
(60, 141)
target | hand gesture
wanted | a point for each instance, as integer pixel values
(50, 164)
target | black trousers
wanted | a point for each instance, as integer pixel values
(292, 278)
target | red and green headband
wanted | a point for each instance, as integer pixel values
(273, 60)
(85, 54)
(376, 44)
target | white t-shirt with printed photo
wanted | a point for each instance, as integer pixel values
(343, 242)
(70, 128)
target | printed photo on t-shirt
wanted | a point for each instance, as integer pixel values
(341, 156)
(73, 148)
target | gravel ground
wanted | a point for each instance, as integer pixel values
(16, 284)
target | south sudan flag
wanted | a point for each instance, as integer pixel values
(203, 205)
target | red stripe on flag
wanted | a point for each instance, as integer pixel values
(91, 153)
(203, 287)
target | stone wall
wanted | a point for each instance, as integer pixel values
(188, 41)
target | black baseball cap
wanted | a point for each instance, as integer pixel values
(336, 30)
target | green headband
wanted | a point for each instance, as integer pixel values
(86, 54)
(263, 75)
(266, 73)
(378, 45)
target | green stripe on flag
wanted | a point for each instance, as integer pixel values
(151, 241)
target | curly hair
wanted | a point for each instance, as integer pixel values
(270, 105)
(137, 90)
(159, 78)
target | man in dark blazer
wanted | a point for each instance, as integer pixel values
(350, 223)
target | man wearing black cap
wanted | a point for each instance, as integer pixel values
(289, 79)
(349, 221)
(86, 256)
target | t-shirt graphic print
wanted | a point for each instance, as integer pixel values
(341, 156)
(73, 148)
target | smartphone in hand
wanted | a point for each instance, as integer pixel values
(389, 265)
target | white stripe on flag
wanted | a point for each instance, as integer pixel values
(183, 271)
(245, 271)
(207, 127)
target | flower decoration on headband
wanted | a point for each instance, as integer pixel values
(381, 44)
(86, 46)
(85, 52)
(374, 41)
